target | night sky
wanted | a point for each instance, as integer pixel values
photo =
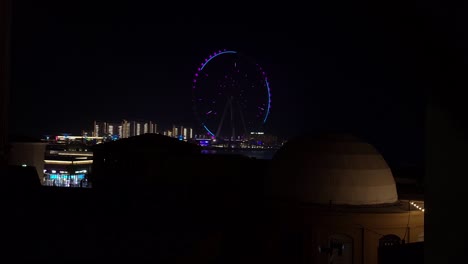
(349, 68)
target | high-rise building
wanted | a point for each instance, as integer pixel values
(120, 132)
(138, 129)
(96, 130)
(128, 128)
(132, 128)
(153, 128)
(103, 129)
(180, 132)
(123, 129)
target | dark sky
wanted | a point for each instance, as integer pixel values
(351, 68)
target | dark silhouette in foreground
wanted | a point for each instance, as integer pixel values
(153, 198)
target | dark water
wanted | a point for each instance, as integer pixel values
(258, 154)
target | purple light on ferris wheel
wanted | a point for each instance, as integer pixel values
(264, 109)
(269, 100)
(196, 74)
(215, 55)
(194, 80)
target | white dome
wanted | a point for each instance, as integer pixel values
(333, 169)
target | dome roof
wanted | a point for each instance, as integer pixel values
(337, 169)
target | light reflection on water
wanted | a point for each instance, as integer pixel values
(258, 154)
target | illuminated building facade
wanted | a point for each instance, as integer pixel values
(261, 140)
(80, 139)
(180, 132)
(123, 129)
(175, 131)
(127, 128)
(68, 160)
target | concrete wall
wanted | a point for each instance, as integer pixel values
(29, 153)
(365, 229)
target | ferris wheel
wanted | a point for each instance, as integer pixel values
(231, 95)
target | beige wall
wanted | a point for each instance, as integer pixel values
(365, 229)
(31, 154)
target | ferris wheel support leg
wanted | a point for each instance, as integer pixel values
(242, 119)
(222, 118)
(233, 134)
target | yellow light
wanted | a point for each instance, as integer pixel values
(417, 206)
(83, 162)
(68, 162)
(61, 162)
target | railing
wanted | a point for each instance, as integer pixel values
(67, 183)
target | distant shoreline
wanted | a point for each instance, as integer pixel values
(252, 153)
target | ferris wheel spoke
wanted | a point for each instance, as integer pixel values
(238, 81)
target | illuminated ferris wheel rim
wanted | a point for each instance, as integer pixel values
(221, 52)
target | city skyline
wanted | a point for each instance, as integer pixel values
(327, 72)
(130, 128)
